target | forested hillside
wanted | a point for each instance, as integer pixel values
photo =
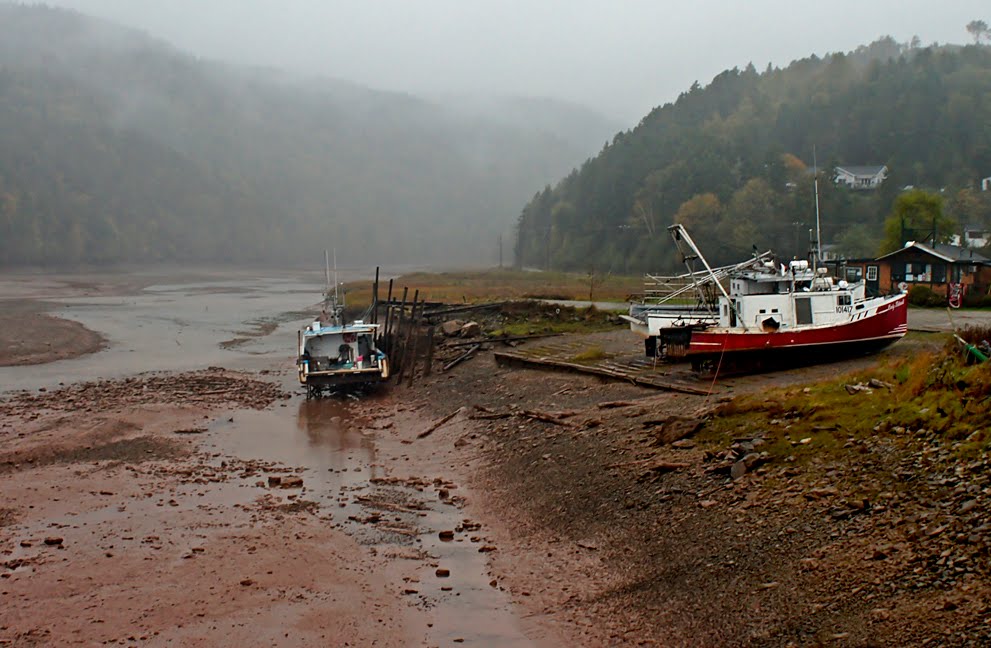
(732, 161)
(117, 147)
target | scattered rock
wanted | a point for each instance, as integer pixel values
(292, 482)
(443, 573)
(451, 328)
(53, 541)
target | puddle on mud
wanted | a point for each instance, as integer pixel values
(356, 472)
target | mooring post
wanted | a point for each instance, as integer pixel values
(413, 352)
(406, 338)
(428, 363)
(375, 298)
(384, 335)
(398, 332)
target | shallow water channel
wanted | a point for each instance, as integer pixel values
(362, 479)
(355, 471)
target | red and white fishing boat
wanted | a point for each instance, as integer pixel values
(760, 312)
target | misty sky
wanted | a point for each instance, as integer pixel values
(619, 57)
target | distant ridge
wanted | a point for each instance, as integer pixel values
(116, 146)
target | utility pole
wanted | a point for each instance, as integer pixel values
(500, 251)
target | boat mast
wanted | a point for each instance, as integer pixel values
(818, 248)
(331, 298)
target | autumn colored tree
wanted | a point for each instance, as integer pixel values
(916, 215)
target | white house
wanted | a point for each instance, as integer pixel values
(975, 236)
(861, 177)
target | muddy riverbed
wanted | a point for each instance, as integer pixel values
(173, 487)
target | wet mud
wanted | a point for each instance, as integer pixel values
(177, 489)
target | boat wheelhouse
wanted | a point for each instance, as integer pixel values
(338, 354)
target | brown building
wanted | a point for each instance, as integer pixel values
(936, 266)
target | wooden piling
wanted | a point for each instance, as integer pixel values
(384, 334)
(412, 354)
(396, 335)
(428, 363)
(375, 298)
(410, 325)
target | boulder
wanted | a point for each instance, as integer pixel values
(470, 330)
(451, 328)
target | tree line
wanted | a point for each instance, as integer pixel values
(734, 161)
(117, 147)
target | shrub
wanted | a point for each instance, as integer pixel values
(925, 296)
(976, 299)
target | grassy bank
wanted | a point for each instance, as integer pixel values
(497, 285)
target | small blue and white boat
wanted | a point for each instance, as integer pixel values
(333, 354)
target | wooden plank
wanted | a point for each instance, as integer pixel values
(548, 362)
(461, 358)
(464, 309)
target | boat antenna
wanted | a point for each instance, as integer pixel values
(818, 248)
(336, 283)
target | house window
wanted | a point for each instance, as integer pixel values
(939, 273)
(855, 274)
(871, 273)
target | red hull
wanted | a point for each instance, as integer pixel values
(887, 325)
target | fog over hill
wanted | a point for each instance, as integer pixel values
(117, 146)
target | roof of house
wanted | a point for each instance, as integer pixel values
(869, 171)
(949, 253)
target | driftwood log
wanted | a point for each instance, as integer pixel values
(433, 428)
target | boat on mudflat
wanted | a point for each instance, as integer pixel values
(760, 313)
(333, 353)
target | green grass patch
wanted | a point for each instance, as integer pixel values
(531, 318)
(935, 395)
(591, 355)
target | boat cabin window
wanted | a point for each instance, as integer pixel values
(803, 310)
(844, 300)
(763, 310)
